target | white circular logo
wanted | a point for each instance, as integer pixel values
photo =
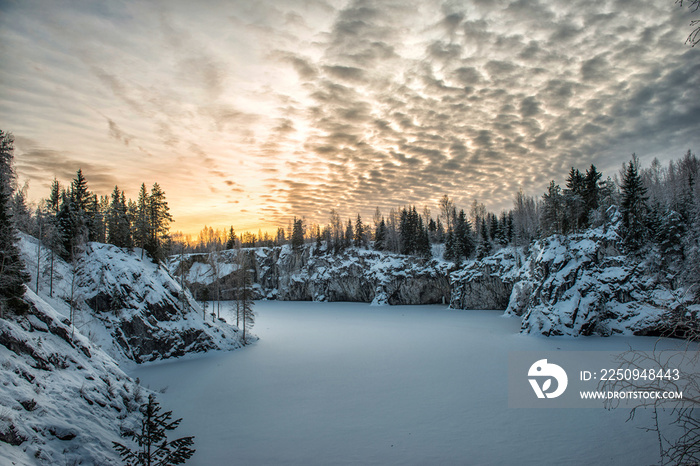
(544, 371)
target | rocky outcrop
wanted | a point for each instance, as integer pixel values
(63, 400)
(583, 285)
(487, 283)
(308, 275)
(131, 307)
(579, 284)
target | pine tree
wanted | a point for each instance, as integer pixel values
(12, 273)
(297, 234)
(51, 233)
(633, 206)
(359, 235)
(244, 296)
(153, 446)
(380, 236)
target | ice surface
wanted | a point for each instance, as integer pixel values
(349, 383)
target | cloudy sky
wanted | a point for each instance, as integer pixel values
(247, 113)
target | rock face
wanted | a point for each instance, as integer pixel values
(583, 285)
(355, 275)
(131, 307)
(487, 283)
(561, 285)
(62, 399)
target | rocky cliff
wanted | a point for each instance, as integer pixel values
(130, 306)
(580, 284)
(305, 275)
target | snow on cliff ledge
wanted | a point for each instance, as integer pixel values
(131, 307)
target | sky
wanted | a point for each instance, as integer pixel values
(249, 113)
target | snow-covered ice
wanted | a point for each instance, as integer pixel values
(349, 383)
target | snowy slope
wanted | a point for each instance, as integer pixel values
(130, 306)
(62, 399)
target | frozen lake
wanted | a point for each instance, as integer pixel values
(347, 383)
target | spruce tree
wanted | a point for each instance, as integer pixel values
(553, 209)
(423, 248)
(153, 446)
(142, 222)
(297, 234)
(633, 206)
(450, 253)
(118, 227)
(591, 191)
(670, 238)
(12, 273)
(159, 219)
(380, 236)
(463, 240)
(319, 242)
(349, 233)
(359, 236)
(231, 239)
(484, 247)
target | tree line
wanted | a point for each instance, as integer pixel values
(658, 206)
(70, 216)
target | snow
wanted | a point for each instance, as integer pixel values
(350, 383)
(66, 399)
(139, 300)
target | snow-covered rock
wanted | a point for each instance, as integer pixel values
(62, 399)
(355, 275)
(580, 284)
(130, 306)
(486, 283)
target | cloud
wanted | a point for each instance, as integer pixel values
(41, 165)
(291, 108)
(116, 132)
